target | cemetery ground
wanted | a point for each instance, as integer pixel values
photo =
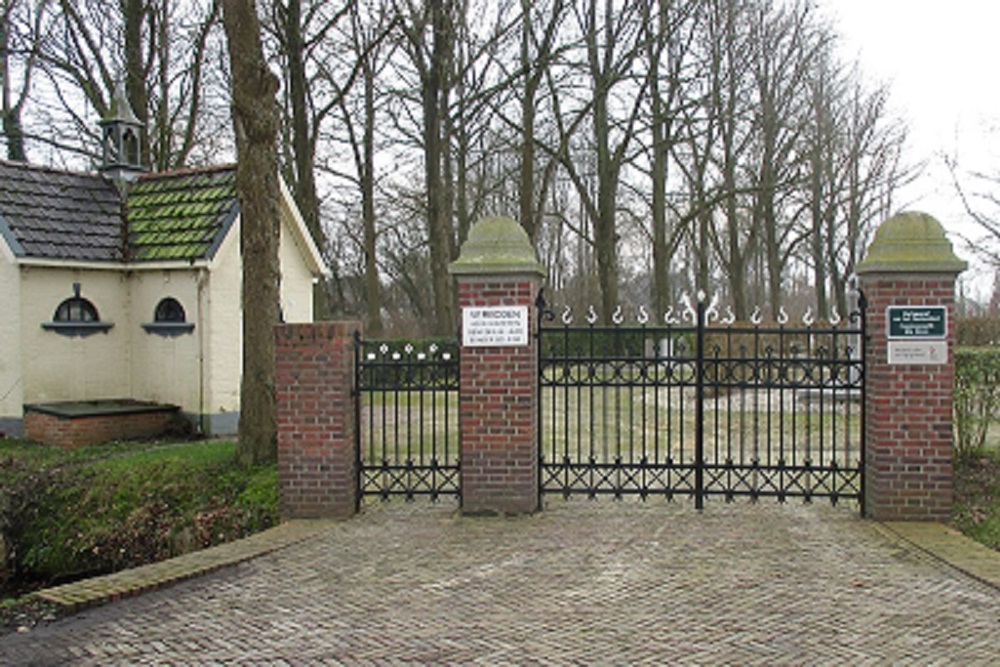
(71, 514)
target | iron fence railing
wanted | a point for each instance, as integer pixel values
(702, 406)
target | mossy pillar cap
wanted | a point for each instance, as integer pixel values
(911, 242)
(496, 245)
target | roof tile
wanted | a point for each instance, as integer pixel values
(64, 215)
(58, 214)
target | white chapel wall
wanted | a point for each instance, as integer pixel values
(58, 367)
(11, 374)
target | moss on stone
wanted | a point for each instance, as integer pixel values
(496, 245)
(911, 242)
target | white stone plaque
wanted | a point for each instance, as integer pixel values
(920, 352)
(504, 326)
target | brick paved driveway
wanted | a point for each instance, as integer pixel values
(592, 583)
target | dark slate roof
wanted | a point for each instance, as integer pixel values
(181, 215)
(51, 214)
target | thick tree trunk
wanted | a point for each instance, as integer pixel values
(255, 119)
(439, 225)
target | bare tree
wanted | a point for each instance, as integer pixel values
(429, 32)
(22, 25)
(256, 124)
(671, 26)
(613, 43)
(312, 91)
(787, 47)
(978, 193)
(359, 121)
(160, 51)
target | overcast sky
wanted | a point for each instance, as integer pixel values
(941, 62)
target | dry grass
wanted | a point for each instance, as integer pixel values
(608, 423)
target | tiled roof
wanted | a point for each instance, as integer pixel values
(181, 215)
(51, 214)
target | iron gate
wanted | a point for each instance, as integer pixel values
(702, 406)
(407, 417)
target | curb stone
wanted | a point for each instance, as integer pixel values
(949, 546)
(79, 595)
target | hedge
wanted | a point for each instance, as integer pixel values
(976, 396)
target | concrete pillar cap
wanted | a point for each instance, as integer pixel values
(496, 245)
(911, 242)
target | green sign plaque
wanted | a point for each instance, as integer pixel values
(917, 321)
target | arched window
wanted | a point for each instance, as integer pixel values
(169, 310)
(76, 309)
(76, 316)
(169, 319)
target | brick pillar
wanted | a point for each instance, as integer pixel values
(909, 277)
(498, 278)
(317, 461)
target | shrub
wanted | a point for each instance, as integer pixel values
(976, 397)
(977, 331)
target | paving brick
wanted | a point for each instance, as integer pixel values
(581, 583)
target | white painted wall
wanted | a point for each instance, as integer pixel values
(166, 369)
(296, 279)
(224, 335)
(61, 368)
(11, 376)
(223, 347)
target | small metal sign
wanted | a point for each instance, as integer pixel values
(918, 352)
(495, 326)
(917, 322)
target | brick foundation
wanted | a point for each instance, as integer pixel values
(71, 425)
(317, 464)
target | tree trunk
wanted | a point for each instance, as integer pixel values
(135, 13)
(439, 224)
(659, 129)
(526, 175)
(373, 299)
(256, 124)
(303, 145)
(10, 113)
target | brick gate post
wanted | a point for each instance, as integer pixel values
(314, 378)
(498, 279)
(908, 279)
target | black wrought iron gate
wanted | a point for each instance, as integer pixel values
(407, 416)
(702, 406)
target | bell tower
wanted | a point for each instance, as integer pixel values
(121, 140)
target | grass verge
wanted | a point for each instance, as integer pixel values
(977, 496)
(67, 514)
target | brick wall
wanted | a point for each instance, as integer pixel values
(498, 403)
(71, 432)
(909, 438)
(317, 465)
